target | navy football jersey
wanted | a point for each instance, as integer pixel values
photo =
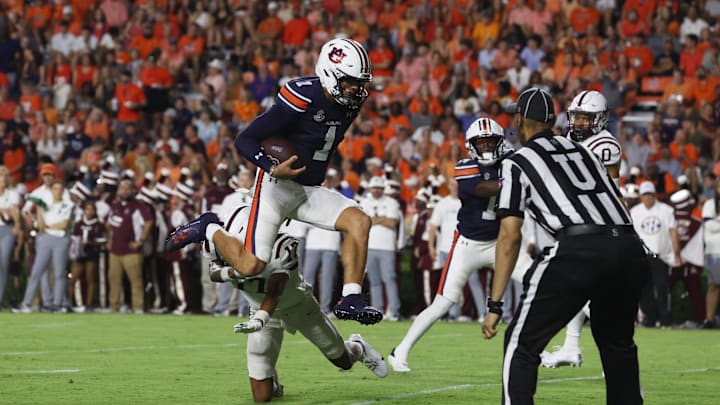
(304, 115)
(476, 218)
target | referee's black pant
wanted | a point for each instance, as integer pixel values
(607, 266)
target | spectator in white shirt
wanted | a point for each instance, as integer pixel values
(52, 243)
(711, 228)
(692, 24)
(63, 41)
(654, 222)
(384, 212)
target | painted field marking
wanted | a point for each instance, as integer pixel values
(121, 349)
(544, 381)
(70, 370)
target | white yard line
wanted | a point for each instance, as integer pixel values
(544, 381)
(71, 370)
(121, 349)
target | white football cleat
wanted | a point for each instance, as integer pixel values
(370, 357)
(397, 364)
(560, 356)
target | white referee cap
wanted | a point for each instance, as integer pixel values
(534, 104)
(377, 182)
(647, 187)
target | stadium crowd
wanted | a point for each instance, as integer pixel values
(117, 120)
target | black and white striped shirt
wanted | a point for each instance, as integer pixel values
(560, 183)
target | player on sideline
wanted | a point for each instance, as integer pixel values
(587, 120)
(474, 242)
(312, 113)
(281, 300)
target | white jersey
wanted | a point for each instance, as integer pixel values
(321, 239)
(381, 237)
(444, 216)
(653, 226)
(8, 199)
(281, 261)
(605, 147)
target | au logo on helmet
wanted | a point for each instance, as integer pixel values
(337, 55)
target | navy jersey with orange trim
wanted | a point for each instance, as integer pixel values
(476, 218)
(312, 123)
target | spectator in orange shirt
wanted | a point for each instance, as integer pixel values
(397, 118)
(13, 152)
(583, 15)
(632, 25)
(97, 126)
(639, 55)
(29, 99)
(297, 30)
(145, 43)
(130, 101)
(156, 81)
(192, 45)
(7, 105)
(691, 57)
(382, 58)
(486, 27)
(271, 27)
(678, 88)
(683, 151)
(38, 14)
(245, 108)
(396, 88)
(85, 72)
(703, 87)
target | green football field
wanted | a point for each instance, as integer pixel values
(162, 359)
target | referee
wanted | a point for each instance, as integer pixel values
(597, 256)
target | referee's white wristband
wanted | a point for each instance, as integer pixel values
(262, 315)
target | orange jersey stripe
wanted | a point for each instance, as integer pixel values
(292, 99)
(443, 276)
(252, 220)
(467, 172)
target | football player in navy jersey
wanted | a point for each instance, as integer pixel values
(474, 243)
(313, 114)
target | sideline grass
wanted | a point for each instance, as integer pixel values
(162, 359)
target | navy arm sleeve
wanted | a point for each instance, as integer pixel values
(272, 122)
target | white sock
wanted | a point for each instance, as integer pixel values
(351, 288)
(210, 231)
(421, 324)
(355, 349)
(572, 334)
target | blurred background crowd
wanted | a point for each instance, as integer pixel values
(141, 100)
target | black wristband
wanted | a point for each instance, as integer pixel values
(495, 307)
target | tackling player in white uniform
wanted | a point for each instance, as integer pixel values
(476, 235)
(280, 300)
(587, 119)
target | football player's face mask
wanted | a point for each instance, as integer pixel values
(581, 125)
(352, 91)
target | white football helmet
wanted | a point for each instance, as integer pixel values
(344, 59)
(593, 104)
(485, 128)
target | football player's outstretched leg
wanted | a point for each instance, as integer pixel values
(312, 114)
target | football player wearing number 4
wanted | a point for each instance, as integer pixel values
(587, 119)
(281, 301)
(475, 237)
(312, 113)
